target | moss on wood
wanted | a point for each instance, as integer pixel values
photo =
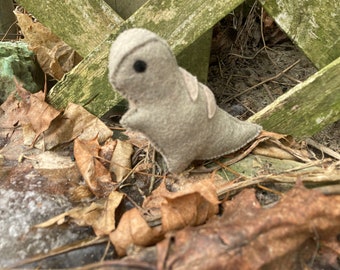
(176, 21)
(312, 24)
(308, 107)
(82, 25)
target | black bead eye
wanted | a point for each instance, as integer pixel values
(139, 66)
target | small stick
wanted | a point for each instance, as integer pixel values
(323, 149)
(152, 179)
(265, 81)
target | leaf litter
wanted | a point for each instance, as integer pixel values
(211, 206)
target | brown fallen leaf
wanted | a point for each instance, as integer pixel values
(133, 229)
(10, 112)
(106, 222)
(190, 207)
(137, 139)
(37, 113)
(286, 236)
(31, 111)
(270, 150)
(121, 159)
(54, 56)
(100, 215)
(75, 122)
(96, 176)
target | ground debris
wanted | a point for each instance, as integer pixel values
(300, 231)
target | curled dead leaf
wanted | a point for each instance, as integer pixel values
(96, 176)
(133, 229)
(189, 207)
(106, 222)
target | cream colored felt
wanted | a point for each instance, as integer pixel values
(169, 106)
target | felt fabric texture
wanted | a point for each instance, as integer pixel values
(169, 106)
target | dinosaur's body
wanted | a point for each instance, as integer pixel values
(167, 104)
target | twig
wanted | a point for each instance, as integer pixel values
(61, 250)
(329, 190)
(268, 92)
(247, 57)
(263, 82)
(323, 148)
(9, 28)
(261, 25)
(289, 150)
(245, 106)
(152, 179)
(106, 250)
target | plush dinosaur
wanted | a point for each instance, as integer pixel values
(169, 106)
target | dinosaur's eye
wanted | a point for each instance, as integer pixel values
(139, 66)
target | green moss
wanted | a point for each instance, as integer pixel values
(308, 107)
(176, 21)
(311, 24)
(17, 61)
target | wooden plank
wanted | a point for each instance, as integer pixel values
(180, 22)
(81, 24)
(125, 8)
(308, 107)
(196, 57)
(311, 24)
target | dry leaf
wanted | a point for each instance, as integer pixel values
(54, 56)
(33, 113)
(192, 206)
(106, 222)
(133, 229)
(75, 122)
(137, 139)
(38, 114)
(121, 159)
(96, 176)
(100, 215)
(280, 146)
(12, 112)
(285, 236)
(78, 215)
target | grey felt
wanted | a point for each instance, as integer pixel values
(168, 105)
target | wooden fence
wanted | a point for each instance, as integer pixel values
(90, 26)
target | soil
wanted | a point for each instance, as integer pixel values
(244, 55)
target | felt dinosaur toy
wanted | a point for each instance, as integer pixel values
(169, 106)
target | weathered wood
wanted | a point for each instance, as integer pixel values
(176, 21)
(125, 8)
(311, 24)
(81, 24)
(194, 58)
(308, 107)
